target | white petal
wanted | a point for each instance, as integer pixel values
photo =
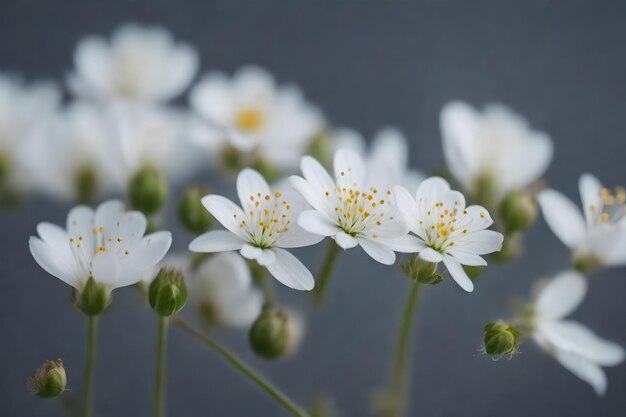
(408, 207)
(298, 237)
(465, 258)
(590, 187)
(561, 295)
(585, 370)
(431, 188)
(226, 212)
(316, 175)
(105, 269)
(458, 274)
(460, 129)
(251, 252)
(53, 235)
(53, 263)
(108, 213)
(563, 217)
(480, 242)
(315, 222)
(378, 251)
(431, 255)
(290, 271)
(405, 244)
(267, 257)
(315, 198)
(345, 240)
(249, 184)
(349, 168)
(216, 241)
(142, 257)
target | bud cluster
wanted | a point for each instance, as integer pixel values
(422, 271)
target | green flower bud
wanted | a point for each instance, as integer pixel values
(422, 271)
(501, 338)
(86, 184)
(511, 248)
(231, 158)
(321, 147)
(269, 171)
(49, 380)
(270, 333)
(485, 189)
(5, 167)
(94, 299)
(193, 215)
(147, 190)
(586, 263)
(167, 293)
(518, 211)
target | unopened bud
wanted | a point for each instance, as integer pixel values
(518, 210)
(231, 158)
(167, 293)
(321, 147)
(511, 248)
(147, 190)
(485, 189)
(586, 263)
(501, 338)
(94, 299)
(422, 271)
(5, 167)
(269, 171)
(274, 333)
(86, 184)
(49, 380)
(192, 213)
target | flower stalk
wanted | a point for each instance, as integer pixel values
(325, 272)
(159, 394)
(92, 341)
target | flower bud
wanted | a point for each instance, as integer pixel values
(94, 299)
(266, 169)
(273, 334)
(193, 215)
(5, 167)
(422, 271)
(511, 248)
(167, 293)
(231, 159)
(321, 147)
(86, 184)
(501, 338)
(49, 380)
(147, 190)
(518, 210)
(586, 263)
(485, 189)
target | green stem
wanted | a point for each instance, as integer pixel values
(325, 272)
(399, 379)
(159, 393)
(261, 382)
(92, 341)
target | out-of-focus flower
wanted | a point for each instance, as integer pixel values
(493, 152)
(107, 245)
(574, 346)
(138, 64)
(387, 161)
(447, 230)
(350, 210)
(23, 108)
(597, 238)
(276, 332)
(253, 115)
(261, 229)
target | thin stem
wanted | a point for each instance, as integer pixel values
(92, 341)
(252, 375)
(159, 393)
(325, 272)
(399, 379)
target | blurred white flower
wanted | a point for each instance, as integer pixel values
(107, 244)
(598, 236)
(574, 346)
(251, 113)
(448, 231)
(350, 210)
(496, 143)
(261, 229)
(138, 64)
(23, 108)
(387, 161)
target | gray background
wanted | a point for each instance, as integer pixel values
(561, 64)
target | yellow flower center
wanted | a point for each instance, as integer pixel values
(249, 119)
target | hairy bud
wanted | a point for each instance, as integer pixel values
(501, 338)
(49, 380)
(147, 190)
(167, 293)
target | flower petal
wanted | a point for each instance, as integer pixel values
(480, 242)
(431, 255)
(251, 252)
(465, 258)
(561, 295)
(584, 369)
(249, 184)
(54, 263)
(405, 244)
(290, 271)
(349, 169)
(298, 237)
(105, 269)
(589, 188)
(267, 257)
(408, 207)
(345, 240)
(458, 274)
(226, 212)
(216, 241)
(315, 222)
(378, 251)
(315, 198)
(563, 217)
(316, 175)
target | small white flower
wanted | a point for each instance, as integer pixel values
(253, 114)
(448, 231)
(574, 346)
(260, 229)
(601, 232)
(496, 143)
(221, 289)
(388, 159)
(350, 210)
(139, 64)
(108, 245)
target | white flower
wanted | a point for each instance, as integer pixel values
(448, 231)
(496, 143)
(23, 108)
(139, 64)
(253, 114)
(108, 245)
(221, 289)
(388, 159)
(261, 229)
(350, 210)
(601, 233)
(574, 346)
